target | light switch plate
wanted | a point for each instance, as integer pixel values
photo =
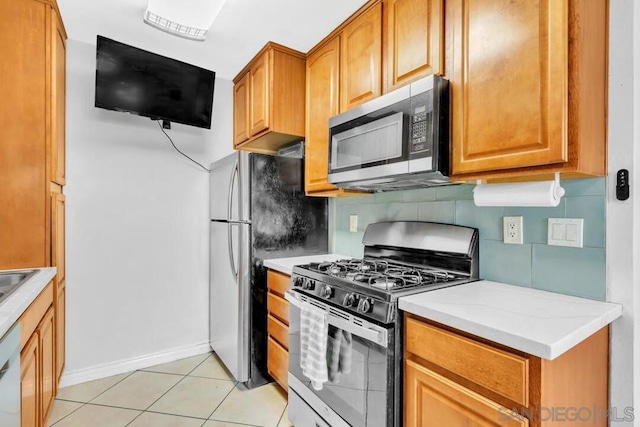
(512, 232)
(353, 223)
(565, 232)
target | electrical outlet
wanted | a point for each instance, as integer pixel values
(353, 223)
(512, 230)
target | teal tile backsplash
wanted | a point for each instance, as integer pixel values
(573, 271)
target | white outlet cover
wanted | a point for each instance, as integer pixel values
(353, 223)
(512, 230)
(565, 232)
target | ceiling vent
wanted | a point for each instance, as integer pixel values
(190, 19)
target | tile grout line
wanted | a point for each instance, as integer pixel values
(82, 405)
(284, 411)
(104, 391)
(223, 399)
(163, 394)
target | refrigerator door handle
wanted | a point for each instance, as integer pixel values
(232, 182)
(234, 268)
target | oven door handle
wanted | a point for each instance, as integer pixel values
(370, 332)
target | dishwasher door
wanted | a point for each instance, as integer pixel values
(10, 378)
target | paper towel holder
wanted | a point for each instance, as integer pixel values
(521, 194)
(558, 191)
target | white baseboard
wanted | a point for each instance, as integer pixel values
(123, 366)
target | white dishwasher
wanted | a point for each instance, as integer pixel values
(10, 378)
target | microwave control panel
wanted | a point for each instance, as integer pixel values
(421, 125)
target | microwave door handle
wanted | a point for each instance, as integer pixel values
(373, 335)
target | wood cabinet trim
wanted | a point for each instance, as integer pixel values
(269, 46)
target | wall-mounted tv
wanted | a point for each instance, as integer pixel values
(140, 82)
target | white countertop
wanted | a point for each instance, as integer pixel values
(12, 308)
(285, 265)
(544, 324)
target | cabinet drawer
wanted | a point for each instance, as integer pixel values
(279, 307)
(497, 370)
(278, 331)
(277, 282)
(278, 363)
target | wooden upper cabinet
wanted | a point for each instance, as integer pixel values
(414, 40)
(58, 90)
(269, 100)
(361, 56)
(323, 84)
(528, 87)
(259, 84)
(241, 110)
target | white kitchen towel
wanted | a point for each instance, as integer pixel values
(314, 327)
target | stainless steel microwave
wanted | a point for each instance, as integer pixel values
(398, 140)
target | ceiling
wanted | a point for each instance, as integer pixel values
(237, 34)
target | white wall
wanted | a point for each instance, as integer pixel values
(623, 217)
(137, 230)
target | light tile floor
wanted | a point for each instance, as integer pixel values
(193, 392)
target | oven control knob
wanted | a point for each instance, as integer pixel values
(326, 292)
(349, 300)
(364, 305)
(297, 283)
(309, 285)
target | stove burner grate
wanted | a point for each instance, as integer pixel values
(382, 274)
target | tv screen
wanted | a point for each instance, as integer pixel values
(144, 83)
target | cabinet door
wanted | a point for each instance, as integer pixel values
(241, 110)
(58, 77)
(259, 98)
(414, 36)
(46, 331)
(58, 201)
(507, 64)
(323, 77)
(361, 55)
(30, 383)
(432, 400)
(60, 336)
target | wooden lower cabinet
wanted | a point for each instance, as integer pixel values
(60, 322)
(29, 383)
(38, 380)
(454, 379)
(278, 363)
(434, 401)
(46, 333)
(278, 327)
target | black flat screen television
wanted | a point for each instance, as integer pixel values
(140, 82)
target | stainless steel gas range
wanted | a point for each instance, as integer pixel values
(360, 301)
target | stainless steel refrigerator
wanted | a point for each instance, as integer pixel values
(258, 211)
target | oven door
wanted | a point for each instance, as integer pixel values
(362, 396)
